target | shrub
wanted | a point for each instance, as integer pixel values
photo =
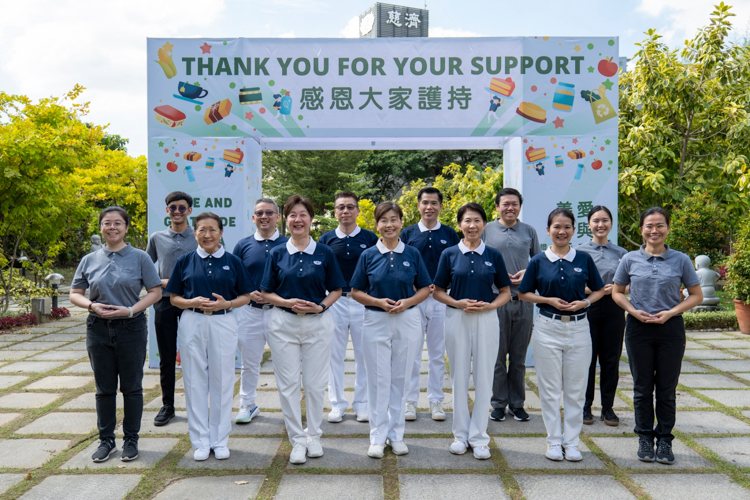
(59, 313)
(738, 265)
(22, 290)
(725, 320)
(7, 322)
(699, 228)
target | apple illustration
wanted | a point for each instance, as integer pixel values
(172, 166)
(596, 164)
(607, 67)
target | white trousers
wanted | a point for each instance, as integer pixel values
(562, 354)
(433, 325)
(471, 340)
(207, 348)
(348, 315)
(253, 331)
(301, 343)
(390, 343)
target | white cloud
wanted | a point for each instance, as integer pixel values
(351, 30)
(438, 32)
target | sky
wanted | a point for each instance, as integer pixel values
(48, 46)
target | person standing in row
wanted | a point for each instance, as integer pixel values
(470, 270)
(655, 330)
(116, 328)
(606, 318)
(430, 238)
(296, 279)
(390, 279)
(253, 318)
(164, 248)
(517, 242)
(561, 338)
(207, 284)
(347, 241)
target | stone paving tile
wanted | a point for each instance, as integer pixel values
(31, 366)
(267, 367)
(27, 399)
(695, 345)
(326, 402)
(364, 487)
(179, 402)
(8, 417)
(263, 424)
(348, 426)
(535, 425)
(8, 480)
(623, 452)
(87, 402)
(681, 486)
(75, 346)
(35, 346)
(627, 424)
(60, 337)
(711, 381)
(733, 450)
(434, 453)
(251, 453)
(424, 402)
(58, 356)
(178, 425)
(709, 354)
(61, 423)
(684, 400)
(150, 451)
(28, 453)
(529, 453)
(80, 487)
(10, 380)
(742, 352)
(150, 381)
(4, 343)
(688, 367)
(343, 453)
(60, 382)
(712, 422)
(532, 400)
(15, 337)
(267, 400)
(451, 487)
(425, 425)
(82, 367)
(566, 487)
(14, 355)
(694, 334)
(210, 488)
(730, 365)
(44, 328)
(730, 343)
(738, 398)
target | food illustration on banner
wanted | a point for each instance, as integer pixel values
(189, 172)
(250, 95)
(189, 93)
(564, 97)
(191, 156)
(217, 111)
(209, 163)
(559, 161)
(172, 166)
(169, 116)
(532, 112)
(576, 154)
(607, 67)
(233, 155)
(579, 171)
(165, 60)
(596, 164)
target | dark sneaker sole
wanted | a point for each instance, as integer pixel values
(510, 412)
(129, 459)
(163, 423)
(665, 461)
(588, 421)
(611, 423)
(497, 419)
(99, 460)
(646, 459)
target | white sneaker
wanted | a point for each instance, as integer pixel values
(221, 452)
(436, 411)
(314, 448)
(376, 451)
(398, 447)
(363, 416)
(554, 452)
(299, 454)
(246, 414)
(410, 412)
(458, 447)
(201, 454)
(335, 416)
(481, 452)
(572, 454)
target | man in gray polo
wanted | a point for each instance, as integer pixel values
(517, 242)
(165, 247)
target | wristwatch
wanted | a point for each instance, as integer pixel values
(90, 305)
(324, 307)
(588, 302)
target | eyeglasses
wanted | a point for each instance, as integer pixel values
(267, 213)
(174, 209)
(117, 224)
(341, 208)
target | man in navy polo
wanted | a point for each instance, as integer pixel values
(347, 241)
(430, 238)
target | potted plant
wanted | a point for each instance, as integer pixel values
(738, 277)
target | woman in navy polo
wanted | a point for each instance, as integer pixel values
(208, 283)
(384, 282)
(561, 338)
(296, 279)
(469, 270)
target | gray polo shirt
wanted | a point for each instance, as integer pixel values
(517, 244)
(166, 247)
(116, 278)
(655, 280)
(606, 258)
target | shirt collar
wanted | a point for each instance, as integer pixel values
(187, 232)
(647, 255)
(554, 258)
(424, 228)
(384, 249)
(216, 255)
(274, 236)
(503, 227)
(464, 249)
(341, 235)
(292, 249)
(123, 251)
(593, 244)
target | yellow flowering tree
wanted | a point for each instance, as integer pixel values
(366, 217)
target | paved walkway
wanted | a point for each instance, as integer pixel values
(48, 432)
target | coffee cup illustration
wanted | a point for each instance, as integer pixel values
(191, 91)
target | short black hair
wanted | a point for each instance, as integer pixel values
(652, 211)
(177, 196)
(118, 210)
(474, 207)
(597, 208)
(208, 215)
(508, 192)
(385, 207)
(565, 212)
(345, 194)
(430, 190)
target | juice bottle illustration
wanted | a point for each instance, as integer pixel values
(189, 172)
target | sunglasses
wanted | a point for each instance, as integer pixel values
(267, 213)
(174, 209)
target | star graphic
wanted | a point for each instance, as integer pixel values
(575, 141)
(193, 142)
(249, 115)
(167, 47)
(577, 48)
(607, 142)
(591, 69)
(558, 122)
(206, 49)
(608, 84)
(161, 144)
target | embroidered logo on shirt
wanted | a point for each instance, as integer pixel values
(226, 268)
(317, 262)
(407, 264)
(363, 245)
(443, 242)
(577, 269)
(488, 264)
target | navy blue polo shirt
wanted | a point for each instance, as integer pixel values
(305, 275)
(470, 274)
(348, 248)
(253, 252)
(564, 278)
(390, 274)
(198, 274)
(430, 242)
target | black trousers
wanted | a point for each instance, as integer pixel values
(607, 326)
(655, 353)
(117, 350)
(165, 322)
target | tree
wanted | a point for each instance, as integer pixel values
(699, 228)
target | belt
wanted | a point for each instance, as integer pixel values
(348, 295)
(265, 307)
(514, 298)
(209, 313)
(565, 318)
(286, 309)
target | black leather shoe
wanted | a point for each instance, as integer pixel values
(609, 417)
(498, 414)
(588, 417)
(164, 416)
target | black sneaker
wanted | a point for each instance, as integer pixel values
(609, 417)
(498, 414)
(645, 449)
(519, 414)
(664, 453)
(588, 417)
(165, 415)
(106, 449)
(129, 450)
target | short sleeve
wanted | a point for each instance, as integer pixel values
(175, 279)
(594, 278)
(443, 275)
(501, 277)
(270, 274)
(151, 249)
(536, 248)
(79, 280)
(622, 275)
(423, 277)
(359, 278)
(334, 276)
(528, 283)
(689, 276)
(149, 276)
